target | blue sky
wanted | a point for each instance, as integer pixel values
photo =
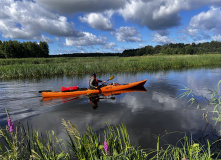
(85, 26)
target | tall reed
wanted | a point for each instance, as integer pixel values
(114, 143)
(30, 67)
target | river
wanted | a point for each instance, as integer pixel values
(148, 114)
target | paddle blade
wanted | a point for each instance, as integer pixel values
(45, 91)
(112, 98)
(112, 77)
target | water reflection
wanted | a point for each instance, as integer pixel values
(146, 114)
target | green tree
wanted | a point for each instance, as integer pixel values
(157, 49)
(189, 50)
(44, 49)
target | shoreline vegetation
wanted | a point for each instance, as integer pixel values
(43, 67)
(114, 143)
(19, 142)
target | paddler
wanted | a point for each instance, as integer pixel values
(93, 82)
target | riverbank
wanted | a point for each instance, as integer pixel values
(37, 67)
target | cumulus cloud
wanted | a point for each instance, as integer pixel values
(160, 14)
(161, 38)
(97, 21)
(156, 15)
(205, 22)
(27, 20)
(127, 34)
(110, 45)
(74, 6)
(87, 39)
(217, 37)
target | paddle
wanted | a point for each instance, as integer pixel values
(112, 77)
(44, 91)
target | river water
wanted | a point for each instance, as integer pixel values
(147, 114)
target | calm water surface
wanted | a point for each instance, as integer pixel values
(146, 114)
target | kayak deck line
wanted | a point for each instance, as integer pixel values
(108, 88)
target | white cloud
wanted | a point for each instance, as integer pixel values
(45, 39)
(207, 20)
(217, 37)
(27, 20)
(110, 45)
(97, 21)
(160, 14)
(162, 39)
(155, 15)
(204, 24)
(87, 40)
(141, 45)
(127, 34)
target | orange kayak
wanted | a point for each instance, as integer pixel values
(105, 89)
(105, 94)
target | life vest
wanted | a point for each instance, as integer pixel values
(95, 82)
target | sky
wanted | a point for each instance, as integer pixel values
(109, 26)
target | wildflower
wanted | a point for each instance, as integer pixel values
(10, 125)
(106, 147)
(184, 158)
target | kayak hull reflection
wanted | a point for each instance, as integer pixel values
(105, 89)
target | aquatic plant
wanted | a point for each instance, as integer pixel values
(113, 144)
(185, 148)
(38, 67)
(212, 99)
(30, 144)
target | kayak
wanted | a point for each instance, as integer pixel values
(105, 89)
(111, 93)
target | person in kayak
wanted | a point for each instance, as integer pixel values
(93, 82)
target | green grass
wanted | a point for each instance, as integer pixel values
(37, 67)
(30, 144)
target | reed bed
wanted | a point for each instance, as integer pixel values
(36, 67)
(20, 143)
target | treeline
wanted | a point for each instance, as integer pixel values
(86, 55)
(15, 49)
(175, 49)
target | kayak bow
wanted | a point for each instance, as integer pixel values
(105, 89)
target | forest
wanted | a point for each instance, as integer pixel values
(166, 49)
(15, 49)
(176, 49)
